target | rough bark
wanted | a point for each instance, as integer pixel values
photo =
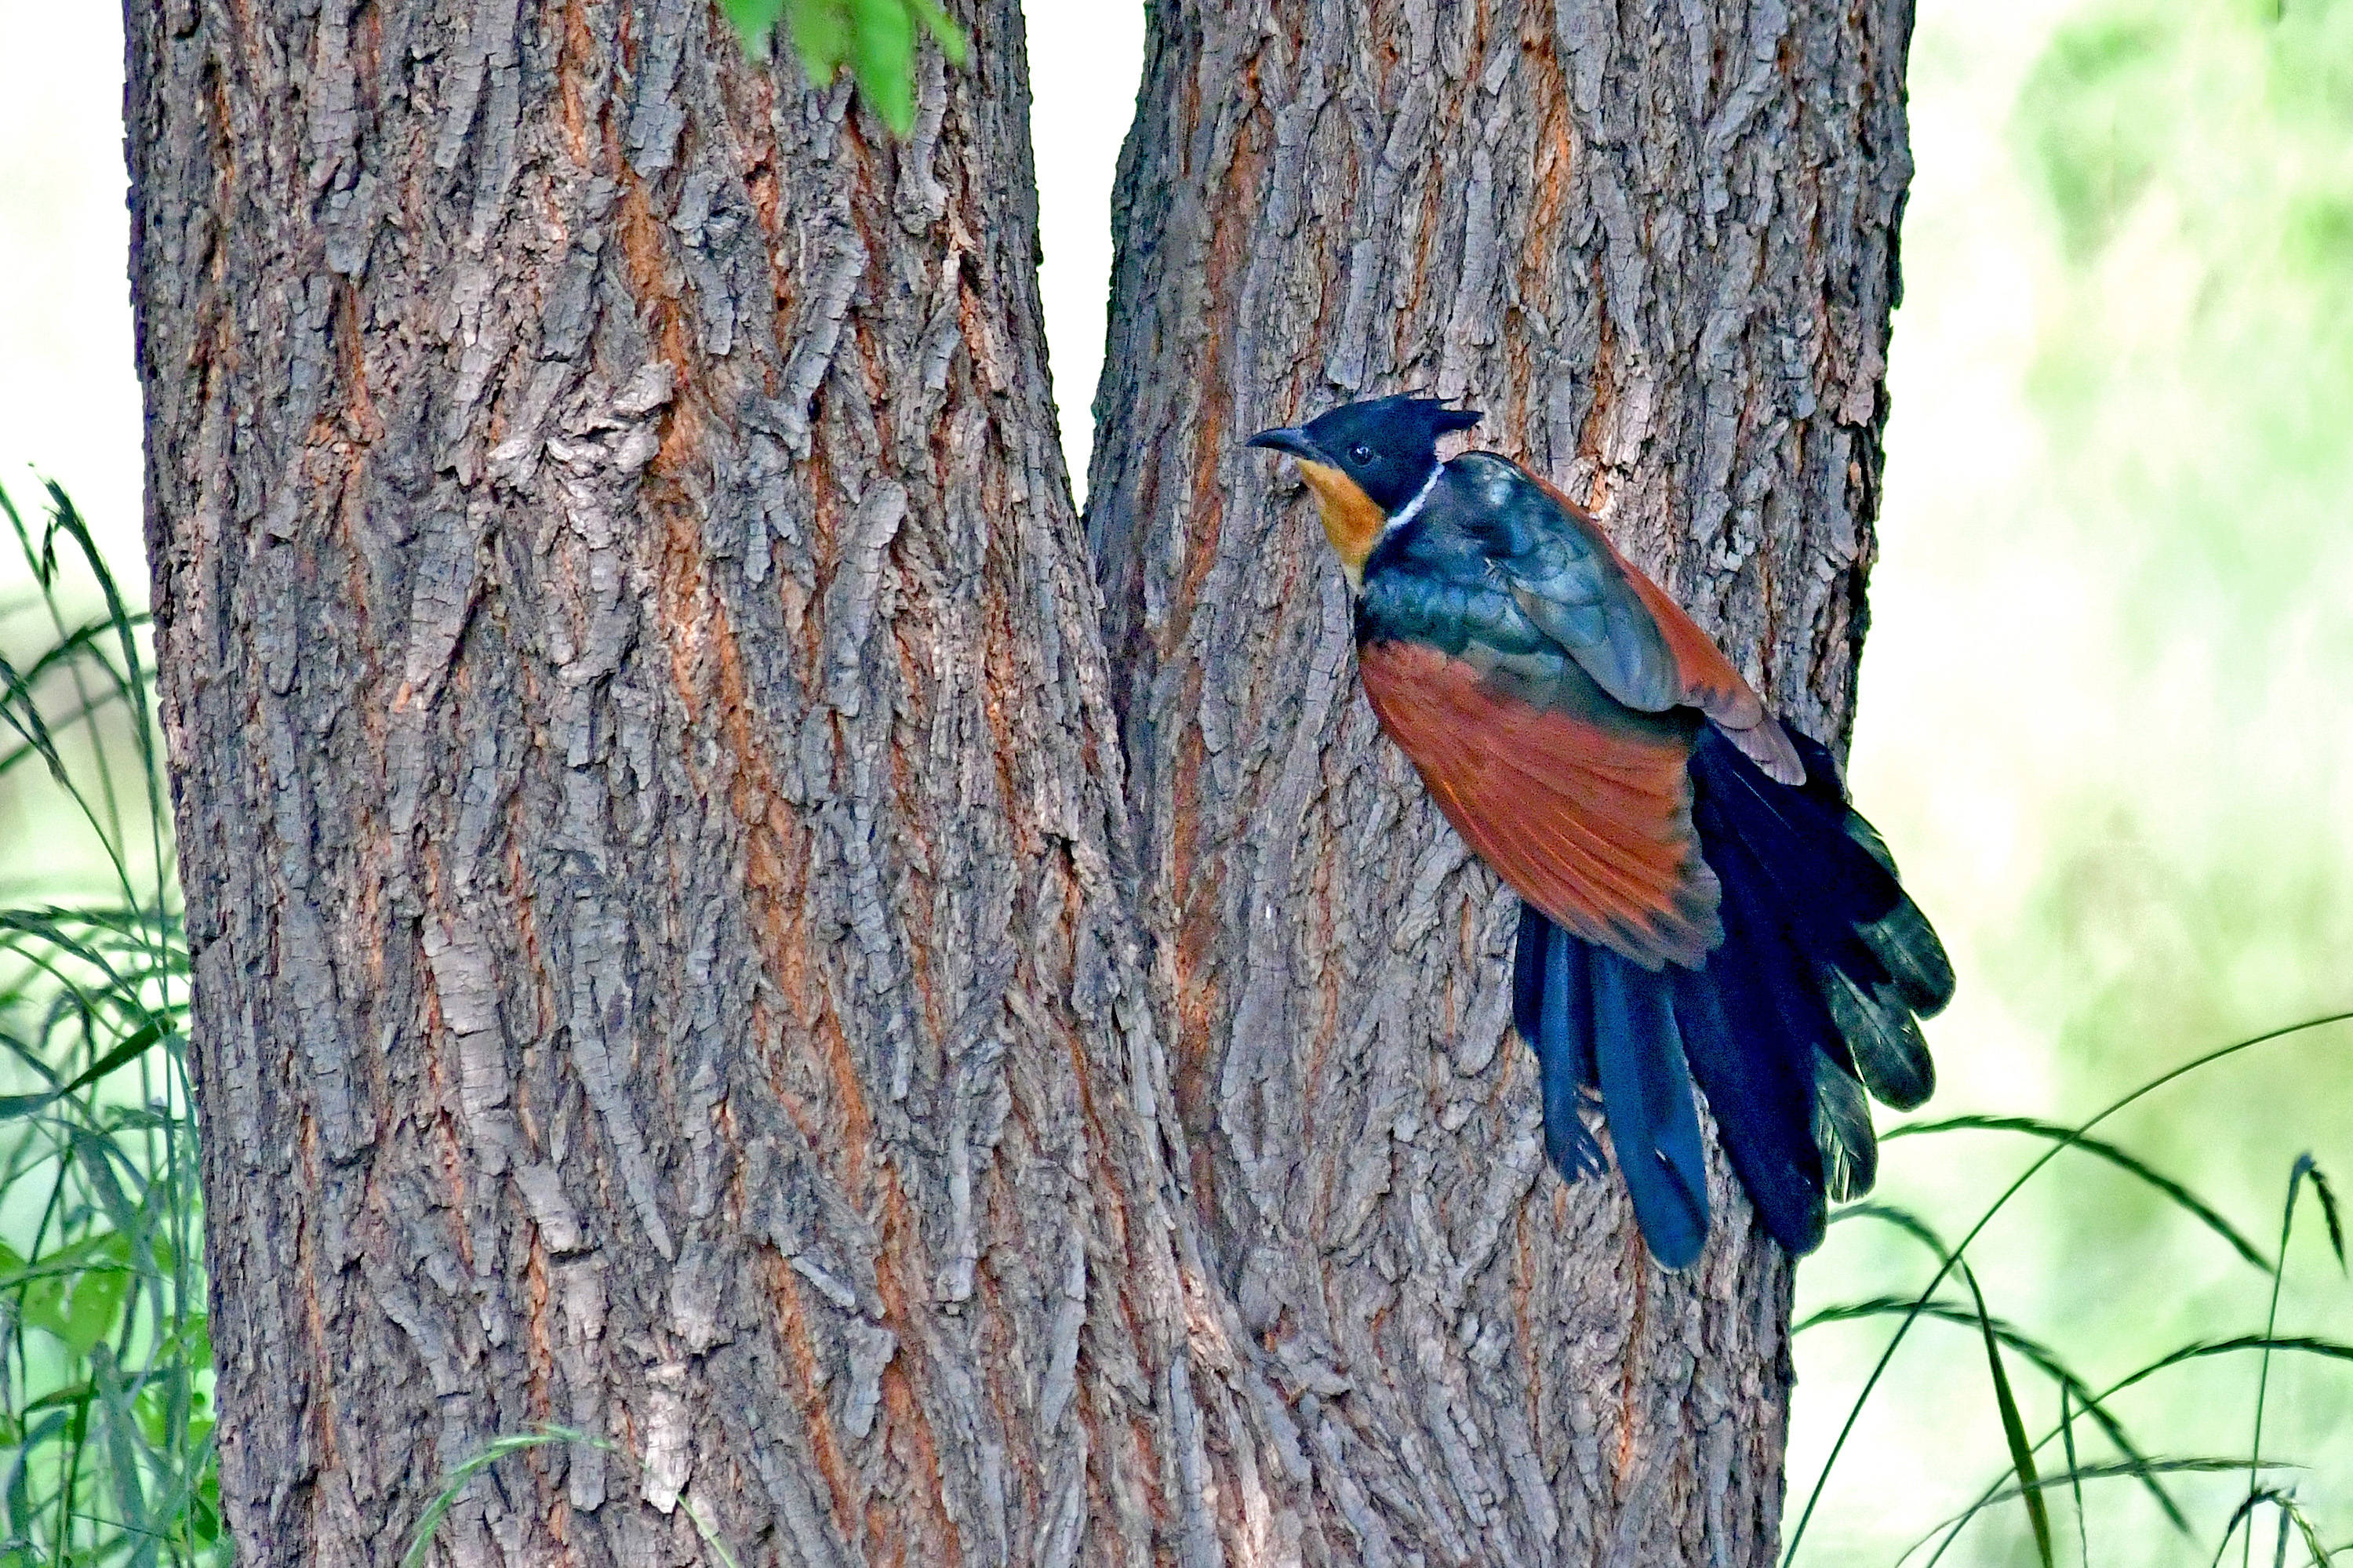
(648, 802)
(1656, 242)
(668, 928)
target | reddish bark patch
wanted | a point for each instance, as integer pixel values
(807, 1390)
(916, 1444)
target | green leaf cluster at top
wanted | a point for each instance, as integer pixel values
(875, 38)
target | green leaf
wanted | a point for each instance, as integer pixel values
(2013, 1431)
(821, 37)
(133, 1046)
(755, 20)
(874, 38)
(943, 26)
(77, 1294)
(882, 59)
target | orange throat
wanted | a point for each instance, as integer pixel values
(1352, 520)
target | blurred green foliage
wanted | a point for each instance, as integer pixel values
(2198, 160)
(874, 38)
(2093, 115)
(2194, 373)
(2105, 700)
(106, 1449)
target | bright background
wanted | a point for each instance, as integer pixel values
(2105, 718)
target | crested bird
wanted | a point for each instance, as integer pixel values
(1698, 899)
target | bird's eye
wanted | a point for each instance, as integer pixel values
(1360, 453)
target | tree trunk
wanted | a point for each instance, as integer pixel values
(1656, 243)
(667, 928)
(648, 802)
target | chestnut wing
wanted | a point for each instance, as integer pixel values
(1584, 812)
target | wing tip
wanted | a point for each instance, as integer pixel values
(1768, 744)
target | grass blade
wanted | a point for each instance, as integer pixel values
(2041, 1356)
(133, 1046)
(2321, 1555)
(454, 1485)
(2243, 1514)
(2109, 1470)
(105, 1369)
(710, 1537)
(2205, 1213)
(2013, 1430)
(2095, 1405)
(2074, 1476)
(2327, 1197)
(1904, 1220)
(2303, 1168)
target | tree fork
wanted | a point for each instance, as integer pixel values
(667, 930)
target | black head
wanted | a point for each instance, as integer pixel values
(1387, 445)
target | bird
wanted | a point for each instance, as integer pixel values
(1699, 900)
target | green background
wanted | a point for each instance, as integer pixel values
(2104, 718)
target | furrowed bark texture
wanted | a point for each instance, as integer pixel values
(664, 913)
(1656, 242)
(648, 807)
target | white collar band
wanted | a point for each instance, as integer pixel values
(1406, 514)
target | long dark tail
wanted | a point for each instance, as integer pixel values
(1814, 996)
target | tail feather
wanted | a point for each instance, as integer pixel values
(1552, 1009)
(1882, 1037)
(1906, 946)
(1528, 975)
(1646, 1095)
(1827, 888)
(1842, 1132)
(1901, 937)
(1604, 1026)
(1898, 936)
(1814, 996)
(1766, 1025)
(1810, 892)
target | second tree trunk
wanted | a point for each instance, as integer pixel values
(1656, 244)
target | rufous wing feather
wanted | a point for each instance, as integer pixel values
(1589, 822)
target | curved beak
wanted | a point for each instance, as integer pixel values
(1287, 438)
